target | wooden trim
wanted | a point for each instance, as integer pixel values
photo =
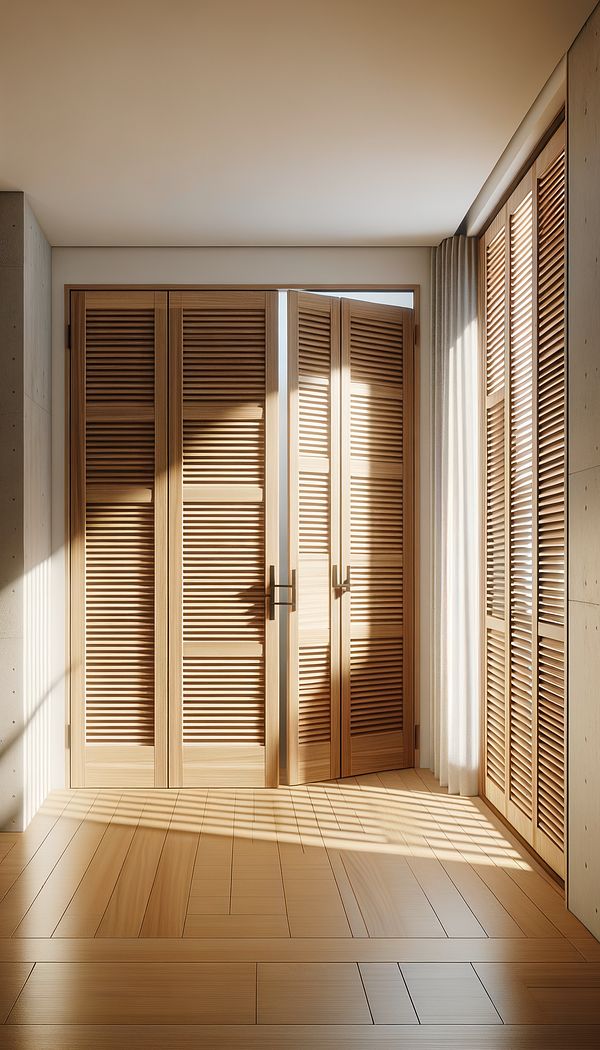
(301, 286)
(67, 528)
(481, 314)
(292, 699)
(409, 544)
(335, 535)
(271, 771)
(161, 536)
(175, 543)
(555, 126)
(77, 540)
(345, 536)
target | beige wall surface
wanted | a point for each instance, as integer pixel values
(293, 267)
(584, 476)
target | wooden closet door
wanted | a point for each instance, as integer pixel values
(118, 539)
(496, 495)
(523, 260)
(313, 724)
(521, 591)
(377, 487)
(551, 475)
(223, 537)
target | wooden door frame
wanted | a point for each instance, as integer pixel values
(308, 286)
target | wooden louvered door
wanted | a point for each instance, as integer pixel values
(524, 339)
(313, 723)
(377, 537)
(223, 536)
(521, 543)
(118, 539)
(550, 481)
(496, 492)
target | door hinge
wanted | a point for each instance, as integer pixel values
(417, 737)
(68, 736)
(68, 337)
(416, 335)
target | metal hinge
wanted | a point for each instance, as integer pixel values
(68, 736)
(416, 336)
(417, 737)
(68, 337)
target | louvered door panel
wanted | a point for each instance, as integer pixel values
(551, 487)
(223, 536)
(523, 256)
(118, 539)
(377, 537)
(313, 741)
(495, 306)
(521, 524)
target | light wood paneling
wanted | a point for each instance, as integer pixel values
(126, 993)
(325, 906)
(311, 993)
(388, 996)
(12, 979)
(448, 994)
(533, 993)
(83, 914)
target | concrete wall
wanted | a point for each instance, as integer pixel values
(294, 267)
(29, 728)
(584, 476)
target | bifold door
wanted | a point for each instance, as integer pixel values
(188, 590)
(523, 264)
(351, 507)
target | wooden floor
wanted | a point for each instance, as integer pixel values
(376, 911)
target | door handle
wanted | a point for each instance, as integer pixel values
(273, 587)
(345, 585)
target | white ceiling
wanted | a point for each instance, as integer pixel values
(265, 122)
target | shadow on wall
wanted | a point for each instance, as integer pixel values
(25, 737)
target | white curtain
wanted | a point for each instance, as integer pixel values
(456, 515)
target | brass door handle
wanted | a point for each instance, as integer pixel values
(273, 587)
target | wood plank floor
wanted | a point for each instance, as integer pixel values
(374, 911)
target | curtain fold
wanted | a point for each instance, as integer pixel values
(456, 515)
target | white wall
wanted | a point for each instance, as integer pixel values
(584, 477)
(293, 267)
(29, 730)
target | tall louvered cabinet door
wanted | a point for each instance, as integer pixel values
(118, 411)
(377, 525)
(313, 723)
(223, 537)
(495, 315)
(550, 188)
(521, 520)
(523, 285)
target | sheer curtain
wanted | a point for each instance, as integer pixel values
(456, 515)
